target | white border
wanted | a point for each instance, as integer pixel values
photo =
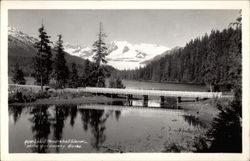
(5, 5)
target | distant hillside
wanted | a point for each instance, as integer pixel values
(210, 59)
(21, 50)
(158, 57)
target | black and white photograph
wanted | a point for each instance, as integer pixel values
(125, 81)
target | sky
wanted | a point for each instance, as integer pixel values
(169, 28)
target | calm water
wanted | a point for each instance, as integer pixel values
(164, 86)
(95, 128)
(113, 127)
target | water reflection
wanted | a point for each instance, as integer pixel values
(73, 114)
(40, 126)
(117, 114)
(194, 121)
(96, 119)
(99, 124)
(60, 114)
(169, 103)
(16, 112)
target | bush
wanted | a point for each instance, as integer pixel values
(116, 83)
(24, 96)
(225, 134)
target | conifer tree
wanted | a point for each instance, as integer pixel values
(211, 61)
(86, 74)
(61, 72)
(74, 78)
(99, 48)
(43, 59)
(18, 77)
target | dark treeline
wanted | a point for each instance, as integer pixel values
(48, 69)
(210, 59)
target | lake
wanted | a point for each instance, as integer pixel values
(116, 126)
(96, 128)
(163, 86)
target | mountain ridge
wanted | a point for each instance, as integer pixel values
(21, 50)
(121, 53)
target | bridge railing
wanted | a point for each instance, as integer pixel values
(152, 92)
(126, 91)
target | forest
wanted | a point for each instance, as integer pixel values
(50, 65)
(212, 59)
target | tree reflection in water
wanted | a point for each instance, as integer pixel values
(73, 114)
(96, 119)
(85, 117)
(194, 121)
(51, 119)
(16, 112)
(40, 127)
(42, 121)
(60, 115)
(117, 114)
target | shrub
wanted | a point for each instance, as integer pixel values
(225, 134)
(116, 83)
(25, 96)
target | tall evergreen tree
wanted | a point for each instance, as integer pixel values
(61, 72)
(86, 74)
(99, 48)
(18, 77)
(43, 59)
(74, 78)
(211, 61)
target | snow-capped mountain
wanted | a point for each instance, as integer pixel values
(121, 54)
(21, 36)
(84, 52)
(21, 50)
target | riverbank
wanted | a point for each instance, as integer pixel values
(76, 100)
(203, 110)
(163, 137)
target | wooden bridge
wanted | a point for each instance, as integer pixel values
(130, 92)
(145, 93)
(151, 92)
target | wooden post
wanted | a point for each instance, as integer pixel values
(145, 100)
(162, 101)
(130, 103)
(128, 97)
(178, 99)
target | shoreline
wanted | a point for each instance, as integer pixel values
(171, 82)
(203, 110)
(183, 138)
(77, 100)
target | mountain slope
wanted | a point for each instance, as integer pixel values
(21, 50)
(158, 57)
(121, 54)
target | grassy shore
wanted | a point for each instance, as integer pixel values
(76, 100)
(172, 139)
(203, 110)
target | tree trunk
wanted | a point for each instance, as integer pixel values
(210, 86)
(41, 82)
